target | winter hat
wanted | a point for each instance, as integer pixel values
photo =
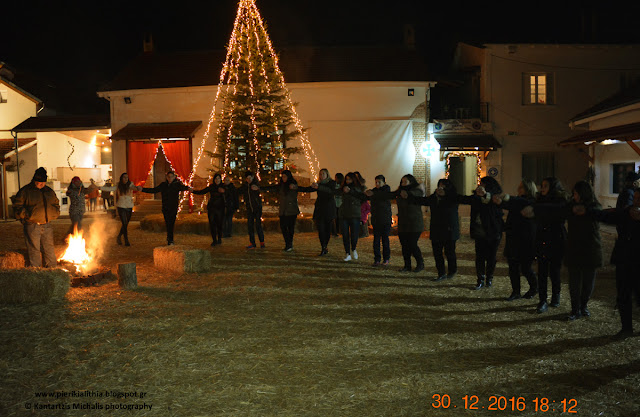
(40, 175)
(75, 178)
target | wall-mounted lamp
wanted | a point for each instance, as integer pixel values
(411, 92)
(127, 100)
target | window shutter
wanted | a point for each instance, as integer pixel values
(551, 89)
(526, 93)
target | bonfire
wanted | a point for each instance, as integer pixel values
(76, 253)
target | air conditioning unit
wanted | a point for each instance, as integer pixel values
(475, 124)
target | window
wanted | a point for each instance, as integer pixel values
(3, 96)
(618, 174)
(537, 89)
(536, 166)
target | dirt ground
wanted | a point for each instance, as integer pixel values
(268, 333)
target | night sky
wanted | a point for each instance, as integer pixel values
(77, 46)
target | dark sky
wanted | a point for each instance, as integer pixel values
(78, 45)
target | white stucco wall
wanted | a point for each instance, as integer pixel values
(605, 157)
(58, 150)
(584, 75)
(342, 118)
(16, 110)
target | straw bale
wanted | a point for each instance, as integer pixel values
(33, 285)
(11, 260)
(127, 277)
(182, 258)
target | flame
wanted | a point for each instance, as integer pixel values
(76, 252)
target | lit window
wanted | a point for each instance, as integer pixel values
(3, 96)
(537, 88)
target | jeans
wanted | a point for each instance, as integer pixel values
(581, 283)
(76, 224)
(486, 254)
(518, 267)
(288, 227)
(324, 231)
(549, 268)
(215, 223)
(381, 236)
(93, 203)
(125, 216)
(255, 217)
(227, 225)
(170, 222)
(449, 248)
(409, 243)
(350, 234)
(36, 236)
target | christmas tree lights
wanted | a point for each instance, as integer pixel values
(252, 108)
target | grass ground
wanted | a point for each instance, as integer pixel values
(268, 333)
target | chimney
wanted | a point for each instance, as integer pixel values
(147, 43)
(409, 36)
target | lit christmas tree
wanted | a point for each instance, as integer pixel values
(257, 124)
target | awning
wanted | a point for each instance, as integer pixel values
(467, 142)
(157, 130)
(623, 133)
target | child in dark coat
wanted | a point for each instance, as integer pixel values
(324, 211)
(215, 207)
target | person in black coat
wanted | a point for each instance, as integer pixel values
(381, 222)
(410, 221)
(215, 207)
(486, 227)
(170, 191)
(625, 256)
(520, 238)
(324, 212)
(288, 210)
(550, 238)
(444, 226)
(584, 248)
(352, 196)
(231, 206)
(253, 202)
(625, 199)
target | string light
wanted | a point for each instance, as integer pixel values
(249, 27)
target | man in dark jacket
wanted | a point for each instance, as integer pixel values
(253, 200)
(36, 205)
(170, 191)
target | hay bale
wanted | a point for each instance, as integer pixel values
(33, 285)
(11, 260)
(127, 277)
(182, 258)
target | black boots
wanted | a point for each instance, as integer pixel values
(324, 251)
(555, 300)
(542, 307)
(419, 267)
(514, 296)
(480, 282)
(489, 282)
(529, 294)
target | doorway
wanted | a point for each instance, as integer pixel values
(463, 173)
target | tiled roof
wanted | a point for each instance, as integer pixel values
(310, 64)
(64, 123)
(622, 98)
(626, 132)
(157, 130)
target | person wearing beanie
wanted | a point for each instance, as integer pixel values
(36, 205)
(76, 193)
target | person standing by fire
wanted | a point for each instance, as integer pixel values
(76, 193)
(170, 191)
(36, 205)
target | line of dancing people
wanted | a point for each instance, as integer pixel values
(534, 228)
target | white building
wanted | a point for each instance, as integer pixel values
(364, 108)
(610, 135)
(524, 95)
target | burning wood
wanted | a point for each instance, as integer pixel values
(80, 260)
(76, 253)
